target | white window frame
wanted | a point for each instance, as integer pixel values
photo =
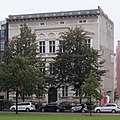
(88, 42)
(64, 91)
(61, 46)
(51, 68)
(2, 45)
(52, 46)
(2, 33)
(42, 46)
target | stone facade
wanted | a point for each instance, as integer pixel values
(49, 26)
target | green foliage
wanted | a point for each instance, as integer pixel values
(7, 104)
(77, 60)
(90, 106)
(21, 75)
(20, 69)
(91, 88)
(25, 45)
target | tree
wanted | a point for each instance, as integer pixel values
(5, 81)
(91, 89)
(25, 46)
(20, 73)
(76, 60)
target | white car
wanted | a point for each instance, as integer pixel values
(23, 106)
(109, 107)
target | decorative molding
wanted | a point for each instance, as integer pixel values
(51, 35)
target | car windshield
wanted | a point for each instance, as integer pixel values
(83, 105)
(53, 103)
(103, 105)
(56, 103)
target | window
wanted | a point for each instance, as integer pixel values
(51, 66)
(113, 105)
(42, 46)
(77, 93)
(2, 45)
(42, 23)
(108, 105)
(81, 21)
(43, 68)
(61, 22)
(87, 42)
(64, 91)
(60, 46)
(2, 33)
(24, 103)
(52, 46)
(1, 97)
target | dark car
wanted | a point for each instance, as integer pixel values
(53, 107)
(79, 108)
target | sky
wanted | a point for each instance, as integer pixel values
(110, 7)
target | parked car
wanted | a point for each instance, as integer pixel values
(23, 106)
(61, 104)
(79, 108)
(109, 107)
(53, 107)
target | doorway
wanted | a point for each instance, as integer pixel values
(52, 95)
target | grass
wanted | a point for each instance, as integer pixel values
(54, 116)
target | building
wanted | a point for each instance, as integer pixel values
(48, 28)
(3, 36)
(3, 42)
(118, 69)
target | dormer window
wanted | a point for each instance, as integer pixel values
(61, 22)
(42, 23)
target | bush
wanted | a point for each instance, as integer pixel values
(67, 104)
(7, 104)
(90, 106)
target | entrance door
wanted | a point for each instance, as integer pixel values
(52, 95)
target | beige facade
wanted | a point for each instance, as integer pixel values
(49, 26)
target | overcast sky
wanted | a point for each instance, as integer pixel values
(110, 7)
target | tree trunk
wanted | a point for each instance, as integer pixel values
(23, 96)
(90, 106)
(16, 102)
(80, 96)
(80, 99)
(7, 95)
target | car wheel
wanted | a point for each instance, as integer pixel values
(43, 110)
(83, 111)
(97, 111)
(113, 111)
(58, 110)
(27, 109)
(13, 109)
(72, 110)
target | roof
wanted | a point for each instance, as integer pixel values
(61, 14)
(54, 14)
